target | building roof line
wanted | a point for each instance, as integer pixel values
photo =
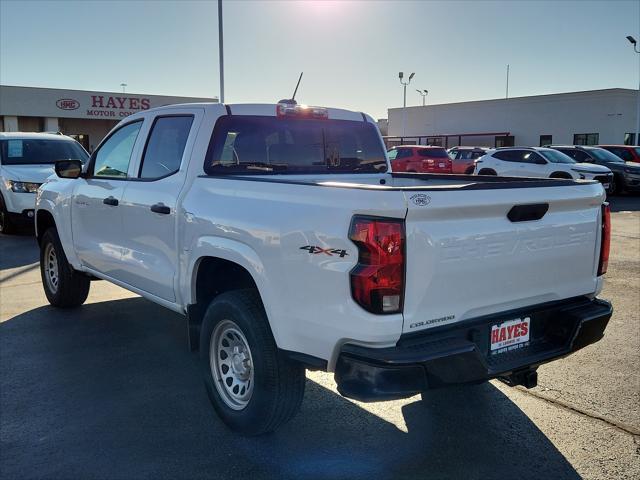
(106, 91)
(580, 92)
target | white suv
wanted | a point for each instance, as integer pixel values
(26, 161)
(539, 162)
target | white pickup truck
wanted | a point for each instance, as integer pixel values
(281, 235)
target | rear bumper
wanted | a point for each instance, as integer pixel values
(459, 354)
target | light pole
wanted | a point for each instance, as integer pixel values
(635, 49)
(220, 51)
(423, 94)
(123, 85)
(404, 103)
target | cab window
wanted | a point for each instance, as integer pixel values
(163, 154)
(113, 157)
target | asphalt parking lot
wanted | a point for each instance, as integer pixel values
(110, 390)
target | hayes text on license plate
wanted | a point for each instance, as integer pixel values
(510, 335)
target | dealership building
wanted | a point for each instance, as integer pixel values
(86, 116)
(578, 118)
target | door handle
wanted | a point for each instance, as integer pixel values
(110, 201)
(160, 208)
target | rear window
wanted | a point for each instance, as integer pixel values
(433, 152)
(37, 151)
(270, 145)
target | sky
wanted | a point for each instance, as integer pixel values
(350, 51)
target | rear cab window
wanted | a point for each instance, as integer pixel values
(266, 145)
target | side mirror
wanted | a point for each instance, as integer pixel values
(68, 168)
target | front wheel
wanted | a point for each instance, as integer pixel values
(63, 286)
(252, 386)
(6, 225)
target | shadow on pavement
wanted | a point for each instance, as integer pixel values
(109, 390)
(18, 251)
(629, 202)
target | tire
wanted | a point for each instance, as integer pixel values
(616, 187)
(270, 387)
(63, 286)
(487, 171)
(6, 225)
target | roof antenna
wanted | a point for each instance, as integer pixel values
(292, 100)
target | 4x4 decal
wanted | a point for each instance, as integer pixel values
(313, 249)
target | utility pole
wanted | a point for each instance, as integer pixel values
(404, 103)
(220, 51)
(635, 49)
(507, 94)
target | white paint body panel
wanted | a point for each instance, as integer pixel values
(519, 169)
(460, 255)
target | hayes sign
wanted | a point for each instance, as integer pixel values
(107, 106)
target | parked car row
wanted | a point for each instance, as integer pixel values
(617, 167)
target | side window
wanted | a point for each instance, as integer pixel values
(623, 153)
(570, 152)
(532, 157)
(165, 146)
(505, 155)
(392, 154)
(580, 156)
(404, 153)
(113, 157)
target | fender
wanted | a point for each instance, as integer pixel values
(233, 251)
(62, 220)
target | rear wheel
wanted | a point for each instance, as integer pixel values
(6, 225)
(63, 286)
(252, 386)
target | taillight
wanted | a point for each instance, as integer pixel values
(377, 281)
(605, 240)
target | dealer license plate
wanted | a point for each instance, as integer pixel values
(606, 186)
(510, 335)
(441, 165)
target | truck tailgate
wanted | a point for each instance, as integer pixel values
(466, 258)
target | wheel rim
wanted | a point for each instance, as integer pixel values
(51, 268)
(231, 364)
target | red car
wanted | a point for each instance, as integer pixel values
(628, 153)
(463, 158)
(420, 159)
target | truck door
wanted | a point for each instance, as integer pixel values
(149, 204)
(96, 211)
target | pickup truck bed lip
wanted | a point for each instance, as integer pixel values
(458, 354)
(471, 182)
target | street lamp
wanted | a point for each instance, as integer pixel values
(423, 94)
(123, 85)
(220, 51)
(633, 42)
(404, 103)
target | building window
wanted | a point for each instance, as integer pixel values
(586, 139)
(546, 140)
(629, 138)
(504, 141)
